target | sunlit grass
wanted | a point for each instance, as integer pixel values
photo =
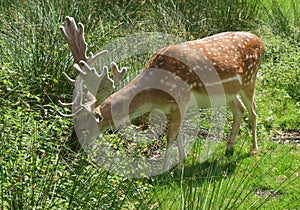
(37, 168)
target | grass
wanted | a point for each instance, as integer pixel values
(37, 168)
(283, 17)
(281, 75)
(242, 182)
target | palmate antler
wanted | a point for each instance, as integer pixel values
(99, 86)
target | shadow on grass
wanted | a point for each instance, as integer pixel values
(216, 168)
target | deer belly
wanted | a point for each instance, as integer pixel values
(207, 101)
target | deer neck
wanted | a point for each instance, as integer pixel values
(131, 102)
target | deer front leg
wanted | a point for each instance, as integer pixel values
(238, 109)
(173, 134)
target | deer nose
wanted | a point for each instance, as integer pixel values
(98, 117)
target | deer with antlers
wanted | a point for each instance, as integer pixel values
(212, 72)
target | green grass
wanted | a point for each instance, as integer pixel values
(280, 74)
(242, 182)
(39, 171)
(283, 17)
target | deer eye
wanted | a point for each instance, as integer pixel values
(98, 117)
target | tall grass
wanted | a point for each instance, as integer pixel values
(201, 18)
(284, 17)
(35, 49)
(37, 168)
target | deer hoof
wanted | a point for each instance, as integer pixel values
(253, 152)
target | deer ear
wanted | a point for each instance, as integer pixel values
(98, 116)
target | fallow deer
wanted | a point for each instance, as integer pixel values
(213, 70)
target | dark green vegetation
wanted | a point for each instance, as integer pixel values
(37, 168)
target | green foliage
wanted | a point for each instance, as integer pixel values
(37, 168)
(283, 17)
(279, 84)
(201, 18)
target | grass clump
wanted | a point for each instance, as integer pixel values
(201, 18)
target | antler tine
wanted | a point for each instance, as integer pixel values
(117, 74)
(75, 38)
(76, 41)
(72, 81)
(70, 115)
(93, 58)
(77, 103)
(100, 86)
(65, 104)
(79, 69)
(105, 87)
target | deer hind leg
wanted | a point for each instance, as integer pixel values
(238, 109)
(173, 134)
(248, 99)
